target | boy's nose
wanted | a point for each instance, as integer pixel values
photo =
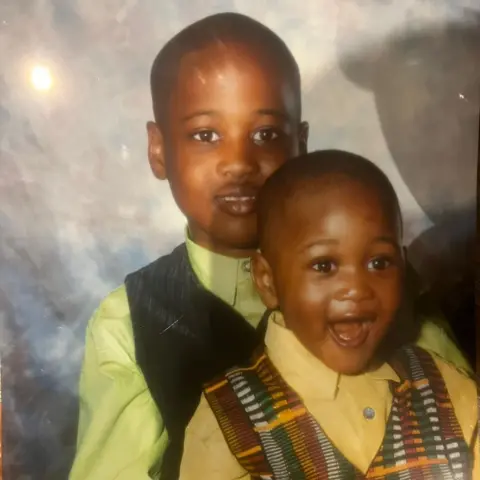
(238, 162)
(355, 288)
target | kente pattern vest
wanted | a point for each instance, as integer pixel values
(273, 436)
(184, 336)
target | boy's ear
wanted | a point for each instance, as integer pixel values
(156, 151)
(303, 137)
(263, 279)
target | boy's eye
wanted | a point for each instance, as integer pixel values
(379, 263)
(264, 135)
(206, 136)
(324, 266)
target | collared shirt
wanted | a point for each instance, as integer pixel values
(336, 401)
(121, 433)
(229, 279)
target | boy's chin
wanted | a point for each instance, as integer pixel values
(351, 364)
(239, 238)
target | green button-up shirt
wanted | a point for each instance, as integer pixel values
(121, 432)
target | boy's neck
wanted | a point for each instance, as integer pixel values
(223, 250)
(227, 252)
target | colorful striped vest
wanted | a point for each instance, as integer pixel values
(273, 436)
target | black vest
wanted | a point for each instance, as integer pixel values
(184, 336)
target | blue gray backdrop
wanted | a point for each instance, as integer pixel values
(394, 81)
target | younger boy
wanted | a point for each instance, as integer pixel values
(337, 391)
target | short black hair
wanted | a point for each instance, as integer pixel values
(221, 27)
(305, 170)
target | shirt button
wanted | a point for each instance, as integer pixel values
(369, 413)
(246, 266)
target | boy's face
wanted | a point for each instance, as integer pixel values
(335, 272)
(232, 123)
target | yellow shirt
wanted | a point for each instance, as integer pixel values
(121, 433)
(336, 401)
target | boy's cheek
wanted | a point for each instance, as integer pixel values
(315, 296)
(274, 157)
(392, 300)
(191, 176)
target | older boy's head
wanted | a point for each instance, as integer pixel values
(219, 33)
(226, 99)
(331, 259)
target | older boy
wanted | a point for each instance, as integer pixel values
(226, 97)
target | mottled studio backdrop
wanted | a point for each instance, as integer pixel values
(396, 81)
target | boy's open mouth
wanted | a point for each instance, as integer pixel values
(239, 201)
(350, 333)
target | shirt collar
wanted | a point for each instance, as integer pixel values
(217, 273)
(298, 366)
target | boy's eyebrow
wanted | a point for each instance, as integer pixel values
(273, 112)
(198, 113)
(332, 241)
(323, 241)
(389, 240)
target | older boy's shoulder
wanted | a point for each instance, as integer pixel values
(115, 305)
(110, 330)
(451, 369)
(112, 316)
(167, 264)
